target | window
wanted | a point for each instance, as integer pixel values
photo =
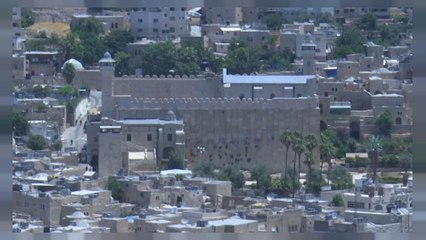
(172, 18)
(155, 30)
(129, 137)
(112, 25)
(140, 20)
(169, 137)
(42, 206)
(157, 198)
(326, 94)
(172, 9)
(155, 20)
(165, 25)
(183, 9)
(116, 25)
(272, 95)
(141, 194)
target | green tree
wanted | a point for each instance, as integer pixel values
(19, 124)
(116, 41)
(233, 174)
(350, 41)
(57, 146)
(40, 91)
(69, 72)
(71, 106)
(71, 47)
(27, 17)
(116, 189)
(203, 169)
(406, 163)
(384, 123)
(175, 161)
(88, 26)
(327, 150)
(158, 58)
(309, 162)
(287, 141)
(374, 148)
(94, 49)
(300, 149)
(338, 201)
(297, 148)
(262, 177)
(274, 21)
(187, 61)
(242, 60)
(122, 64)
(37, 142)
(41, 107)
(341, 178)
(367, 22)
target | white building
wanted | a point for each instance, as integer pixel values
(159, 23)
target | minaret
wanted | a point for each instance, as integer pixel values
(107, 67)
(308, 54)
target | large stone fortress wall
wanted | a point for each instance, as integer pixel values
(231, 131)
(221, 128)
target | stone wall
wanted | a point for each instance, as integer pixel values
(233, 131)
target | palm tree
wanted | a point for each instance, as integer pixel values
(295, 146)
(327, 152)
(286, 140)
(374, 148)
(300, 148)
(309, 161)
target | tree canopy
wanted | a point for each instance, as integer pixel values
(69, 72)
(350, 41)
(37, 142)
(19, 124)
(175, 161)
(27, 17)
(384, 123)
(233, 174)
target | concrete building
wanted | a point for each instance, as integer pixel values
(165, 22)
(225, 16)
(40, 63)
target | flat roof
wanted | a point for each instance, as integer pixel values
(265, 79)
(85, 192)
(149, 122)
(231, 221)
(41, 52)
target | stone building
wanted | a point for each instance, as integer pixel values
(230, 128)
(40, 63)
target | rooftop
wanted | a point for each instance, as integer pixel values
(265, 79)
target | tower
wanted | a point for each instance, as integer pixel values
(308, 54)
(107, 68)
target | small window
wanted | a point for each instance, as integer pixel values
(183, 9)
(141, 194)
(149, 137)
(157, 198)
(140, 20)
(172, 9)
(155, 20)
(116, 25)
(169, 137)
(155, 30)
(140, 30)
(129, 137)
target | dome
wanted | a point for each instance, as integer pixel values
(76, 64)
(107, 58)
(170, 115)
(107, 55)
